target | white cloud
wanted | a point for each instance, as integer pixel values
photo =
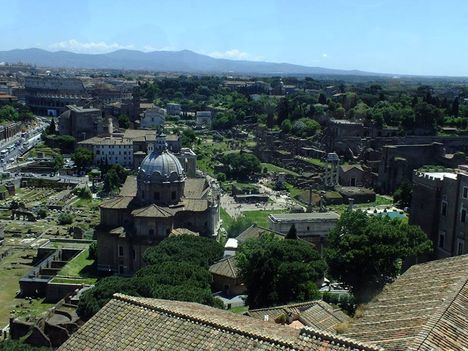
(149, 48)
(88, 47)
(324, 55)
(233, 54)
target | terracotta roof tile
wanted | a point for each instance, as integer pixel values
(424, 309)
(131, 323)
(317, 314)
(227, 267)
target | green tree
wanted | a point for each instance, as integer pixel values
(42, 212)
(58, 162)
(286, 126)
(8, 113)
(83, 158)
(402, 195)
(65, 218)
(185, 248)
(367, 252)
(177, 270)
(17, 345)
(455, 107)
(124, 121)
(52, 128)
(238, 226)
(283, 110)
(188, 137)
(305, 127)
(221, 177)
(111, 181)
(241, 165)
(322, 99)
(279, 271)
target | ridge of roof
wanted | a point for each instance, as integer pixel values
(201, 320)
(306, 332)
(291, 305)
(337, 340)
(162, 210)
(233, 271)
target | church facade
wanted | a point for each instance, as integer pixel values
(160, 201)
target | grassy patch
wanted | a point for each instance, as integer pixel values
(227, 219)
(261, 217)
(239, 309)
(35, 307)
(276, 169)
(316, 162)
(63, 280)
(90, 204)
(382, 200)
(79, 267)
(12, 268)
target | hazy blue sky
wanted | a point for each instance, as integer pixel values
(395, 36)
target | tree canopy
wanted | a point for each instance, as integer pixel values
(367, 252)
(241, 165)
(83, 158)
(279, 271)
(177, 270)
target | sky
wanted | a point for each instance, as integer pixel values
(423, 37)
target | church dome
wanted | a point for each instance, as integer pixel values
(161, 166)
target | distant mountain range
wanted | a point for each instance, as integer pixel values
(162, 61)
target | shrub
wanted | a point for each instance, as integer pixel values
(65, 218)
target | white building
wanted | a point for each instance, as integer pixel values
(173, 109)
(204, 119)
(313, 227)
(153, 118)
(110, 150)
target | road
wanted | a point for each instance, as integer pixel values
(20, 145)
(278, 201)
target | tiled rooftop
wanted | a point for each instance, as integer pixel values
(424, 309)
(227, 267)
(131, 323)
(316, 314)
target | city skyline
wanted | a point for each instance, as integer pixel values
(397, 37)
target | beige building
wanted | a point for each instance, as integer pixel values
(159, 200)
(110, 150)
(313, 227)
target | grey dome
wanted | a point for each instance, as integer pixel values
(161, 167)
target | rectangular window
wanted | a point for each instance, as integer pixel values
(460, 248)
(465, 192)
(463, 215)
(121, 269)
(441, 240)
(156, 196)
(121, 251)
(173, 195)
(444, 208)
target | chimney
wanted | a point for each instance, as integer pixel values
(351, 203)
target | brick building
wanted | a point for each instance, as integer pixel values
(82, 123)
(439, 206)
